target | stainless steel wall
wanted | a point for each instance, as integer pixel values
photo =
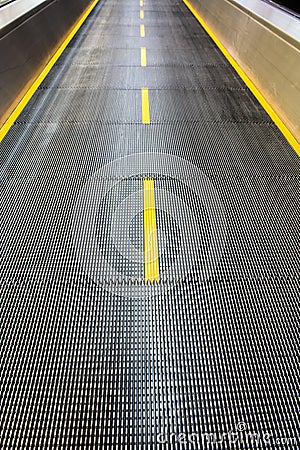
(267, 52)
(28, 43)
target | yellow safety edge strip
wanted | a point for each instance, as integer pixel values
(25, 99)
(145, 106)
(267, 107)
(150, 233)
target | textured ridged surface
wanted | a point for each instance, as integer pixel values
(91, 357)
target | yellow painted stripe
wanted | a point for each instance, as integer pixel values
(143, 57)
(141, 3)
(141, 14)
(142, 30)
(23, 102)
(267, 107)
(150, 233)
(145, 106)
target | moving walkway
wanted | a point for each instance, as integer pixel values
(150, 277)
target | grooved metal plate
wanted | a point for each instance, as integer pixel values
(182, 77)
(221, 106)
(124, 57)
(237, 147)
(93, 357)
(148, 41)
(84, 105)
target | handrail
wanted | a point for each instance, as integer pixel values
(13, 10)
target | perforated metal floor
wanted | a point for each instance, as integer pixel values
(92, 357)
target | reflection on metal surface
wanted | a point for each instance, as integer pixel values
(290, 6)
(190, 246)
(272, 16)
(4, 2)
(14, 9)
(19, 88)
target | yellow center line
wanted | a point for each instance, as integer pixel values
(145, 106)
(141, 3)
(142, 14)
(150, 233)
(143, 57)
(142, 30)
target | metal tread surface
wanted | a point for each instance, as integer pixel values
(92, 357)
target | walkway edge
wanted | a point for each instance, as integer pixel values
(44, 72)
(267, 107)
